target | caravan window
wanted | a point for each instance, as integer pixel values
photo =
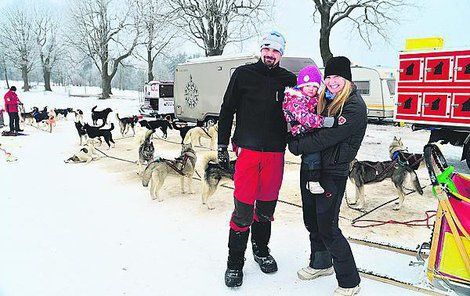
(391, 86)
(363, 87)
(166, 91)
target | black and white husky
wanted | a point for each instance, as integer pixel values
(146, 149)
(213, 175)
(157, 171)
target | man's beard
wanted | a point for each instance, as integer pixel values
(269, 62)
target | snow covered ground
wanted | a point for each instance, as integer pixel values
(93, 229)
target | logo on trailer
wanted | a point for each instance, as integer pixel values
(409, 69)
(191, 93)
(438, 68)
(466, 106)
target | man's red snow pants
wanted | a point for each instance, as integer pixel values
(257, 179)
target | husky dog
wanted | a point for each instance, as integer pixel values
(103, 115)
(194, 135)
(86, 155)
(96, 132)
(162, 124)
(368, 172)
(158, 170)
(397, 150)
(183, 129)
(81, 131)
(40, 116)
(78, 115)
(146, 149)
(213, 175)
(126, 122)
(28, 117)
(63, 112)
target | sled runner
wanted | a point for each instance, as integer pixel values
(12, 134)
(449, 259)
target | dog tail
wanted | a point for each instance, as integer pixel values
(93, 109)
(208, 157)
(146, 137)
(117, 116)
(111, 128)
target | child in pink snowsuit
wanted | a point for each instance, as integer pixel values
(299, 108)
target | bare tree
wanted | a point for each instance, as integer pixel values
(212, 24)
(3, 64)
(17, 33)
(49, 49)
(158, 33)
(365, 15)
(107, 38)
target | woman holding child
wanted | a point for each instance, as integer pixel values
(328, 141)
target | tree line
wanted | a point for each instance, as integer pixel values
(106, 42)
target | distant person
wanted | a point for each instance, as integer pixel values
(255, 94)
(329, 250)
(11, 107)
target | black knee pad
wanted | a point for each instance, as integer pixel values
(243, 214)
(265, 210)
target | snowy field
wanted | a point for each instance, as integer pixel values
(94, 230)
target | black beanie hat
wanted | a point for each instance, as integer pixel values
(340, 66)
(13, 88)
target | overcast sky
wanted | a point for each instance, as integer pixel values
(448, 19)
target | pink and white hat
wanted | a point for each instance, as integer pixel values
(309, 75)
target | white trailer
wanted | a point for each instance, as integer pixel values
(200, 84)
(158, 100)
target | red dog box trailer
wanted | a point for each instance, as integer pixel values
(433, 92)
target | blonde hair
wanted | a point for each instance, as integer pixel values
(336, 106)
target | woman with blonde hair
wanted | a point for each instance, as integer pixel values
(338, 146)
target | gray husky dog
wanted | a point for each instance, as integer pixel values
(146, 149)
(369, 172)
(213, 175)
(158, 170)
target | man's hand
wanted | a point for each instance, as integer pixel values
(222, 156)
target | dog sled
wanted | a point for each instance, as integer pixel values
(449, 258)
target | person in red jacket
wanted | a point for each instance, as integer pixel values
(11, 107)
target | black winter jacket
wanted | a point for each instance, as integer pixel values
(255, 94)
(338, 145)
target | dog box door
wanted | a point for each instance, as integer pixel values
(411, 70)
(439, 69)
(436, 104)
(409, 104)
(460, 108)
(462, 69)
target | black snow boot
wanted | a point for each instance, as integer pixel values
(236, 258)
(260, 234)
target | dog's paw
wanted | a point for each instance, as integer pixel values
(209, 207)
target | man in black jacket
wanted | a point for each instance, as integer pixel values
(255, 94)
